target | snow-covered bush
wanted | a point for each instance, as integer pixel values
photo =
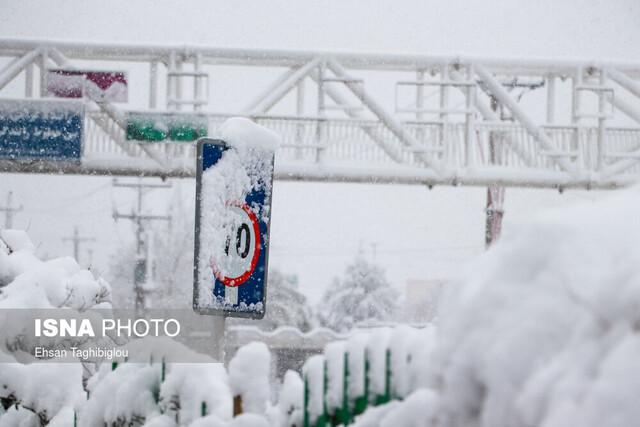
(57, 283)
(137, 392)
(541, 331)
(39, 393)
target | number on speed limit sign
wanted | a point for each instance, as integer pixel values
(242, 248)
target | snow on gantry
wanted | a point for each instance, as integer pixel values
(233, 203)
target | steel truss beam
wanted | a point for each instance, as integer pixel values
(377, 144)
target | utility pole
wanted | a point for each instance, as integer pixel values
(138, 218)
(495, 194)
(77, 239)
(9, 211)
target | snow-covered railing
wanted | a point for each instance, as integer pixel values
(470, 129)
(505, 150)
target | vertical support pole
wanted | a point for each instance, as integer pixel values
(299, 113)
(602, 119)
(575, 104)
(28, 81)
(220, 337)
(551, 98)
(153, 85)
(575, 115)
(171, 69)
(444, 103)
(44, 57)
(203, 409)
(468, 128)
(321, 129)
(420, 95)
(178, 84)
(420, 105)
(197, 82)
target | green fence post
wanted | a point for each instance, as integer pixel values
(344, 416)
(305, 418)
(322, 420)
(163, 370)
(387, 376)
(363, 401)
(75, 419)
(114, 365)
(385, 397)
(367, 382)
(203, 409)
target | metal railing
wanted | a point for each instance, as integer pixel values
(348, 142)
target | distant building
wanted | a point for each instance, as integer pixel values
(421, 299)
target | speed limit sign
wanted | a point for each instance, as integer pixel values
(233, 209)
(241, 249)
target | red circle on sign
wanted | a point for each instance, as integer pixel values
(237, 281)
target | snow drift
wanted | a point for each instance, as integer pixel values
(543, 330)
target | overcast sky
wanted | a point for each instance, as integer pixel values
(317, 228)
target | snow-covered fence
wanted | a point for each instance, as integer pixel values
(368, 369)
(169, 394)
(159, 392)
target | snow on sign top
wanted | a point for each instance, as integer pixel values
(233, 203)
(240, 131)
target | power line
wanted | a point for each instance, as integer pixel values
(9, 211)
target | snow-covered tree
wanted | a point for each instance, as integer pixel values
(286, 305)
(363, 294)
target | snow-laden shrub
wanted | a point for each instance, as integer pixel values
(57, 283)
(140, 392)
(543, 330)
(39, 393)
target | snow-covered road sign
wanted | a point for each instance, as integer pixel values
(50, 130)
(233, 208)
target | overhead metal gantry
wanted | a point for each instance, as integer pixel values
(356, 117)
